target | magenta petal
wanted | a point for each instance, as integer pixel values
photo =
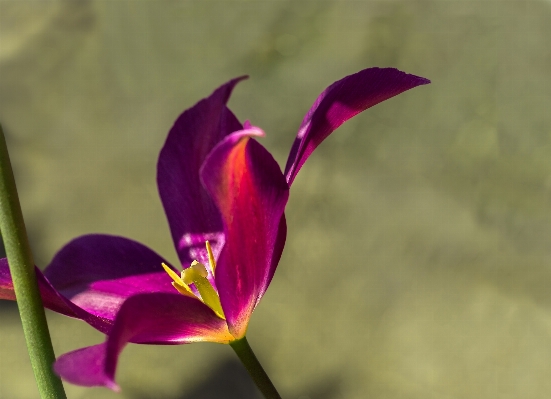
(251, 193)
(50, 297)
(340, 102)
(98, 272)
(168, 319)
(191, 214)
(278, 251)
(85, 367)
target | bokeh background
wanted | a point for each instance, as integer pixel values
(418, 258)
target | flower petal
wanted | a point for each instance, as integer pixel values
(191, 214)
(278, 251)
(51, 299)
(161, 318)
(251, 193)
(98, 272)
(340, 102)
(85, 367)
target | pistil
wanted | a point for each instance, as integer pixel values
(197, 274)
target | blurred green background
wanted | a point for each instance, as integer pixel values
(418, 258)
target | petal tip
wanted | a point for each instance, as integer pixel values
(254, 131)
(112, 385)
(242, 77)
(423, 81)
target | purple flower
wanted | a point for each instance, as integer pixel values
(224, 196)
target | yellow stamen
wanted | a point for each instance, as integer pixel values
(171, 273)
(212, 262)
(178, 283)
(197, 274)
(183, 289)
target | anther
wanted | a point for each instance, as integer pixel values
(177, 282)
(212, 262)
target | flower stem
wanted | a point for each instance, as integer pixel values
(22, 270)
(253, 366)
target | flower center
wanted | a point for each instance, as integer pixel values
(197, 275)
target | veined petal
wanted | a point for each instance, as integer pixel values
(340, 102)
(251, 193)
(99, 272)
(161, 318)
(191, 214)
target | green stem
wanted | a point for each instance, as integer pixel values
(23, 275)
(253, 366)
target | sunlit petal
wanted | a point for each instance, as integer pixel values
(251, 193)
(341, 101)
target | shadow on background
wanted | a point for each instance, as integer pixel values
(230, 380)
(7, 306)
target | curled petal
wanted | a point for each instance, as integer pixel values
(251, 193)
(191, 214)
(168, 319)
(98, 272)
(51, 298)
(340, 102)
(86, 367)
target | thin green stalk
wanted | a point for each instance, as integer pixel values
(25, 285)
(253, 366)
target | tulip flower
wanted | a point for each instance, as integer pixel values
(224, 196)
